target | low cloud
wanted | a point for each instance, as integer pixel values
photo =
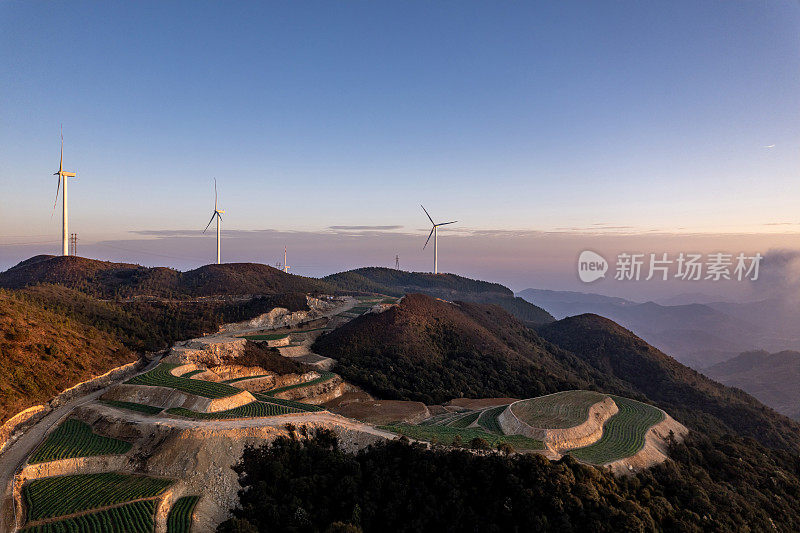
(365, 228)
(779, 275)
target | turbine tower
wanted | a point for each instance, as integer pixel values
(62, 176)
(218, 215)
(435, 234)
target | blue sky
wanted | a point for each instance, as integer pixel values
(525, 116)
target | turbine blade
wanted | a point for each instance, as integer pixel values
(429, 237)
(426, 212)
(58, 189)
(215, 194)
(446, 223)
(210, 221)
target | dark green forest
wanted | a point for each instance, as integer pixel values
(308, 484)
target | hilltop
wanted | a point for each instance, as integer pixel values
(690, 396)
(429, 350)
(772, 378)
(105, 279)
(445, 286)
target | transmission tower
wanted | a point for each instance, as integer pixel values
(73, 244)
(397, 262)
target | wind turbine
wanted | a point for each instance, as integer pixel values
(285, 266)
(63, 175)
(435, 234)
(218, 215)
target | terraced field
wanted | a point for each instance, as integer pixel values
(464, 420)
(488, 419)
(557, 411)
(136, 517)
(323, 377)
(250, 410)
(446, 435)
(306, 407)
(623, 434)
(180, 516)
(52, 497)
(193, 373)
(74, 438)
(133, 406)
(161, 376)
(243, 378)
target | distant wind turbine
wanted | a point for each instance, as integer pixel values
(285, 266)
(218, 215)
(63, 175)
(435, 234)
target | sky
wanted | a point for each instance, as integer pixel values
(544, 128)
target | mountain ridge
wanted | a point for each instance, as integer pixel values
(445, 286)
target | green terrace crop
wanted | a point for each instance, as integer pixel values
(464, 420)
(446, 435)
(133, 406)
(306, 407)
(488, 419)
(180, 516)
(236, 380)
(52, 497)
(193, 373)
(559, 410)
(74, 438)
(266, 337)
(623, 434)
(161, 376)
(323, 377)
(250, 410)
(136, 517)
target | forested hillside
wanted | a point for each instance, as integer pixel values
(44, 352)
(432, 351)
(104, 279)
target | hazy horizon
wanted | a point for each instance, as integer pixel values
(543, 129)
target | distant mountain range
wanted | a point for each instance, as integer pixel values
(772, 378)
(698, 335)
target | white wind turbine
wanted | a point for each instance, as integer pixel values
(218, 215)
(435, 234)
(62, 176)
